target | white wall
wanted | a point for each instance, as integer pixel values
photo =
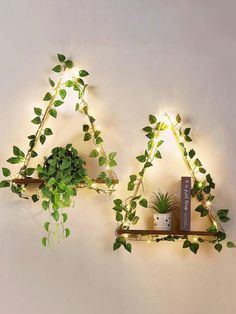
(143, 56)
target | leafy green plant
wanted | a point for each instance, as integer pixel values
(203, 185)
(62, 171)
(163, 202)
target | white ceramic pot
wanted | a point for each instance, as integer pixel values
(162, 221)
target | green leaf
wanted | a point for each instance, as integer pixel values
(29, 171)
(56, 215)
(128, 247)
(14, 160)
(197, 163)
(6, 172)
(65, 164)
(112, 155)
(47, 97)
(4, 184)
(51, 82)
(191, 153)
(48, 131)
(83, 73)
(187, 131)
(116, 246)
(42, 139)
(58, 103)
(94, 153)
(67, 232)
(186, 244)
(178, 118)
(188, 138)
(44, 241)
(148, 129)
(64, 217)
(218, 247)
(36, 120)
(212, 229)
(92, 119)
(37, 111)
(160, 143)
(117, 202)
(112, 163)
(133, 177)
(69, 83)
(221, 236)
(223, 212)
(130, 186)
(17, 152)
(62, 93)
(148, 164)
(33, 154)
(152, 119)
(150, 136)
(194, 247)
(87, 136)
(143, 202)
(61, 58)
(202, 170)
(141, 158)
(98, 140)
(69, 64)
(101, 160)
(119, 217)
(158, 154)
(201, 209)
(35, 198)
(57, 68)
(230, 244)
(53, 112)
(77, 107)
(46, 226)
(45, 205)
(51, 181)
(85, 127)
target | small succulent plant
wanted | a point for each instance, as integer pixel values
(163, 202)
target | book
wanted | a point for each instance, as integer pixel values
(185, 211)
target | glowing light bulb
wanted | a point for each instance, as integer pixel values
(195, 239)
(108, 167)
(166, 119)
(126, 235)
(208, 203)
(199, 185)
(98, 128)
(148, 241)
(98, 149)
(215, 224)
(94, 185)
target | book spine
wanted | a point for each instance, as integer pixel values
(185, 213)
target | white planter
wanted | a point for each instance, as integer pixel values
(162, 221)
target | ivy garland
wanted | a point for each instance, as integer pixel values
(126, 213)
(60, 182)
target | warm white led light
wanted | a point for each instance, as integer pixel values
(108, 167)
(94, 185)
(208, 203)
(195, 239)
(126, 235)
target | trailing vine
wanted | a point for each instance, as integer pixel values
(126, 213)
(55, 98)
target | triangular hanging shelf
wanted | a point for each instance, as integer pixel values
(70, 78)
(202, 188)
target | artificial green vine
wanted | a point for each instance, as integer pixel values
(54, 99)
(202, 187)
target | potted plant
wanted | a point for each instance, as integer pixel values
(163, 204)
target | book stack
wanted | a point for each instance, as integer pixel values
(185, 212)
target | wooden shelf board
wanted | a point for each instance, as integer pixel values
(155, 233)
(27, 181)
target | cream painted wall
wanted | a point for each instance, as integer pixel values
(144, 57)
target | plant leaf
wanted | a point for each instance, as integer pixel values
(83, 73)
(57, 68)
(6, 172)
(61, 58)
